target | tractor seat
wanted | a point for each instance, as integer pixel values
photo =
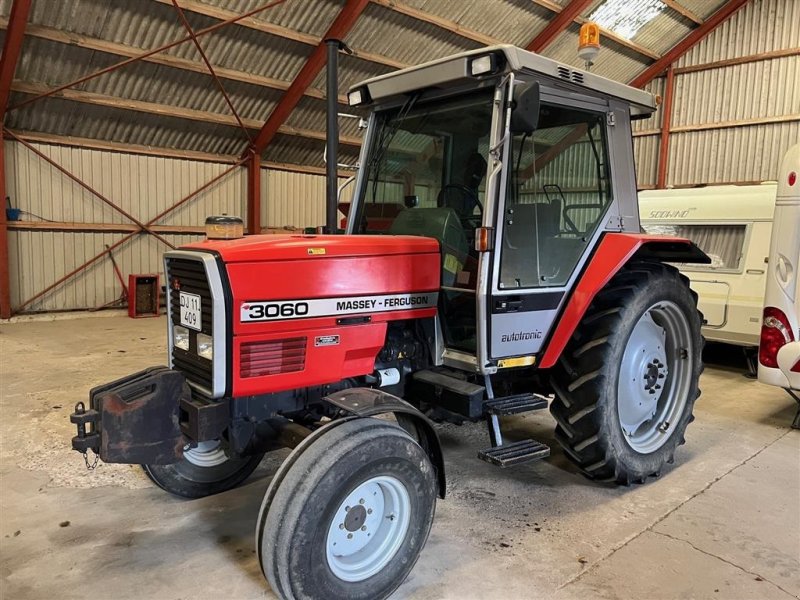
(442, 224)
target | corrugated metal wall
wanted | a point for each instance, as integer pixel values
(295, 199)
(756, 90)
(143, 186)
(645, 147)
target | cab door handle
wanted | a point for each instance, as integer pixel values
(504, 305)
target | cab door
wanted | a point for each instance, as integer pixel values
(557, 201)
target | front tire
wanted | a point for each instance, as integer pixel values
(627, 381)
(349, 514)
(203, 471)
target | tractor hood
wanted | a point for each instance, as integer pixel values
(327, 297)
(260, 248)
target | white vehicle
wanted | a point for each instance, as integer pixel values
(732, 224)
(779, 352)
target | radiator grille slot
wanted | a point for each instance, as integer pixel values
(190, 276)
(272, 357)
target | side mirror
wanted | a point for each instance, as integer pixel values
(525, 108)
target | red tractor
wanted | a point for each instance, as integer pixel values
(492, 258)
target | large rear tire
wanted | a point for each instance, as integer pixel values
(627, 381)
(203, 471)
(348, 513)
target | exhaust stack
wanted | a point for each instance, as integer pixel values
(332, 135)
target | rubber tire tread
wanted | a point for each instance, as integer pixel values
(169, 477)
(288, 551)
(585, 377)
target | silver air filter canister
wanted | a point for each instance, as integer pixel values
(224, 228)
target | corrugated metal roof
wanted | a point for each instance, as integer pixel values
(146, 24)
(620, 65)
(704, 8)
(352, 70)
(65, 117)
(54, 64)
(309, 16)
(305, 151)
(663, 32)
(513, 21)
(380, 31)
(310, 114)
(402, 38)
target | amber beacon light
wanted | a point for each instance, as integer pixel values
(589, 43)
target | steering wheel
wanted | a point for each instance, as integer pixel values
(469, 197)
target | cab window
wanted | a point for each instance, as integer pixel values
(557, 194)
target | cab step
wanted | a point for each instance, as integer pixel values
(447, 389)
(513, 405)
(515, 453)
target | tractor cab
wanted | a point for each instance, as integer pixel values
(516, 165)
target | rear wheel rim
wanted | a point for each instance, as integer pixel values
(655, 377)
(368, 528)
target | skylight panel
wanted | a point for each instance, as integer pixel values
(626, 17)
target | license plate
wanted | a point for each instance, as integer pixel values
(190, 311)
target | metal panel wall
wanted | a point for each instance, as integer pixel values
(726, 96)
(645, 147)
(290, 199)
(142, 185)
(38, 258)
(758, 27)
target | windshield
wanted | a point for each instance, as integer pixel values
(427, 155)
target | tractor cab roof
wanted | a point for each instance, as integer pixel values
(454, 71)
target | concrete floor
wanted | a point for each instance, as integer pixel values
(724, 522)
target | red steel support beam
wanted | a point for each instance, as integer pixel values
(125, 238)
(5, 279)
(143, 55)
(338, 30)
(213, 73)
(15, 33)
(254, 193)
(11, 49)
(666, 122)
(686, 43)
(559, 23)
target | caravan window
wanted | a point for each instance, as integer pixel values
(724, 244)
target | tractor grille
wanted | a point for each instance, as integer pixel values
(190, 276)
(272, 357)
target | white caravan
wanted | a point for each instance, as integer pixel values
(779, 352)
(732, 224)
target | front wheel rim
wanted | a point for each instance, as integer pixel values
(368, 528)
(655, 377)
(206, 454)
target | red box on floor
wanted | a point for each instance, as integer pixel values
(143, 296)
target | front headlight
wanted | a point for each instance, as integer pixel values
(180, 337)
(205, 346)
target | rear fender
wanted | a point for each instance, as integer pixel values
(613, 252)
(368, 402)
